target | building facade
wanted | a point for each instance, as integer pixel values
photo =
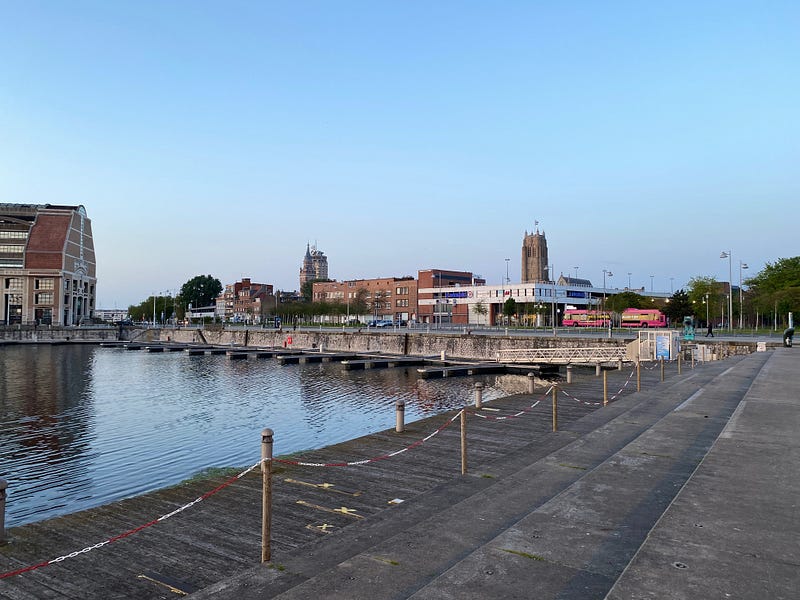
(315, 266)
(246, 302)
(534, 258)
(47, 265)
(386, 298)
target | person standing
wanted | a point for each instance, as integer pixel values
(710, 331)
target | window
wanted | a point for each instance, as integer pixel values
(43, 298)
(402, 291)
(14, 283)
(13, 235)
(11, 249)
(43, 284)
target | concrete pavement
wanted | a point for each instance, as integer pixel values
(687, 490)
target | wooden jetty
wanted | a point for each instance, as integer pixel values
(382, 362)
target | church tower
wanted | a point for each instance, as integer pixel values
(534, 257)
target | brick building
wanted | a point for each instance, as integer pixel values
(440, 300)
(47, 265)
(246, 302)
(386, 298)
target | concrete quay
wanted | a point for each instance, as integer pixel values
(686, 490)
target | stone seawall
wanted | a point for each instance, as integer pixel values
(465, 346)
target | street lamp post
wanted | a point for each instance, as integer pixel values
(610, 274)
(651, 283)
(729, 255)
(741, 304)
(706, 303)
(629, 280)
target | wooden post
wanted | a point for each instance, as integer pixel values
(479, 395)
(569, 373)
(463, 442)
(679, 363)
(605, 388)
(619, 365)
(662, 368)
(638, 376)
(266, 494)
(531, 383)
(400, 413)
(692, 360)
(3, 486)
(555, 408)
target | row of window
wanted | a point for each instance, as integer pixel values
(16, 283)
(13, 235)
(11, 248)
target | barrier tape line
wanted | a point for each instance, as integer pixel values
(614, 397)
(515, 415)
(358, 463)
(131, 531)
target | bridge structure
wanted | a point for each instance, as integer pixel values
(563, 356)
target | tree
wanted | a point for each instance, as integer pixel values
(509, 308)
(201, 290)
(777, 287)
(703, 293)
(623, 300)
(480, 308)
(679, 306)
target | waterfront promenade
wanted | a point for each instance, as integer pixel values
(663, 493)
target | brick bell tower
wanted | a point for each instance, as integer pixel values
(534, 257)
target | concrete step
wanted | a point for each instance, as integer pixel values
(438, 543)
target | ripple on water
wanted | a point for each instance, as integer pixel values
(81, 426)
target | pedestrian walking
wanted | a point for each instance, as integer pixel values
(710, 331)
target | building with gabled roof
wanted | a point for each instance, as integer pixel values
(47, 265)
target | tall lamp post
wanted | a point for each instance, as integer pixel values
(741, 311)
(610, 274)
(706, 303)
(651, 283)
(629, 280)
(729, 255)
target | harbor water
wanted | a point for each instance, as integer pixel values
(82, 425)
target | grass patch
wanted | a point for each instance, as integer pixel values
(277, 567)
(212, 473)
(524, 554)
(487, 476)
(388, 561)
(658, 455)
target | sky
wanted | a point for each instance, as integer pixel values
(222, 137)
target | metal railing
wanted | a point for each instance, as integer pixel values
(562, 356)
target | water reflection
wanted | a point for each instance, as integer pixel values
(81, 426)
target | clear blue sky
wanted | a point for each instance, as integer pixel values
(220, 137)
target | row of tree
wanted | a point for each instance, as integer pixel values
(771, 294)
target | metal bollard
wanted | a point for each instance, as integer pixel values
(555, 408)
(400, 414)
(597, 369)
(444, 355)
(531, 383)
(569, 373)
(605, 388)
(662, 368)
(479, 395)
(266, 494)
(619, 365)
(3, 487)
(638, 376)
(692, 361)
(463, 442)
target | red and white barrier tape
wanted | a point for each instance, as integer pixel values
(514, 416)
(131, 531)
(358, 463)
(217, 489)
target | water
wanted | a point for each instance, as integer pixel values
(81, 426)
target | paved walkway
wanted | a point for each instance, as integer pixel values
(688, 491)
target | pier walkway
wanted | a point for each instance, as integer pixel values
(686, 489)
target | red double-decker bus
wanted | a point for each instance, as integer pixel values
(643, 317)
(577, 317)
